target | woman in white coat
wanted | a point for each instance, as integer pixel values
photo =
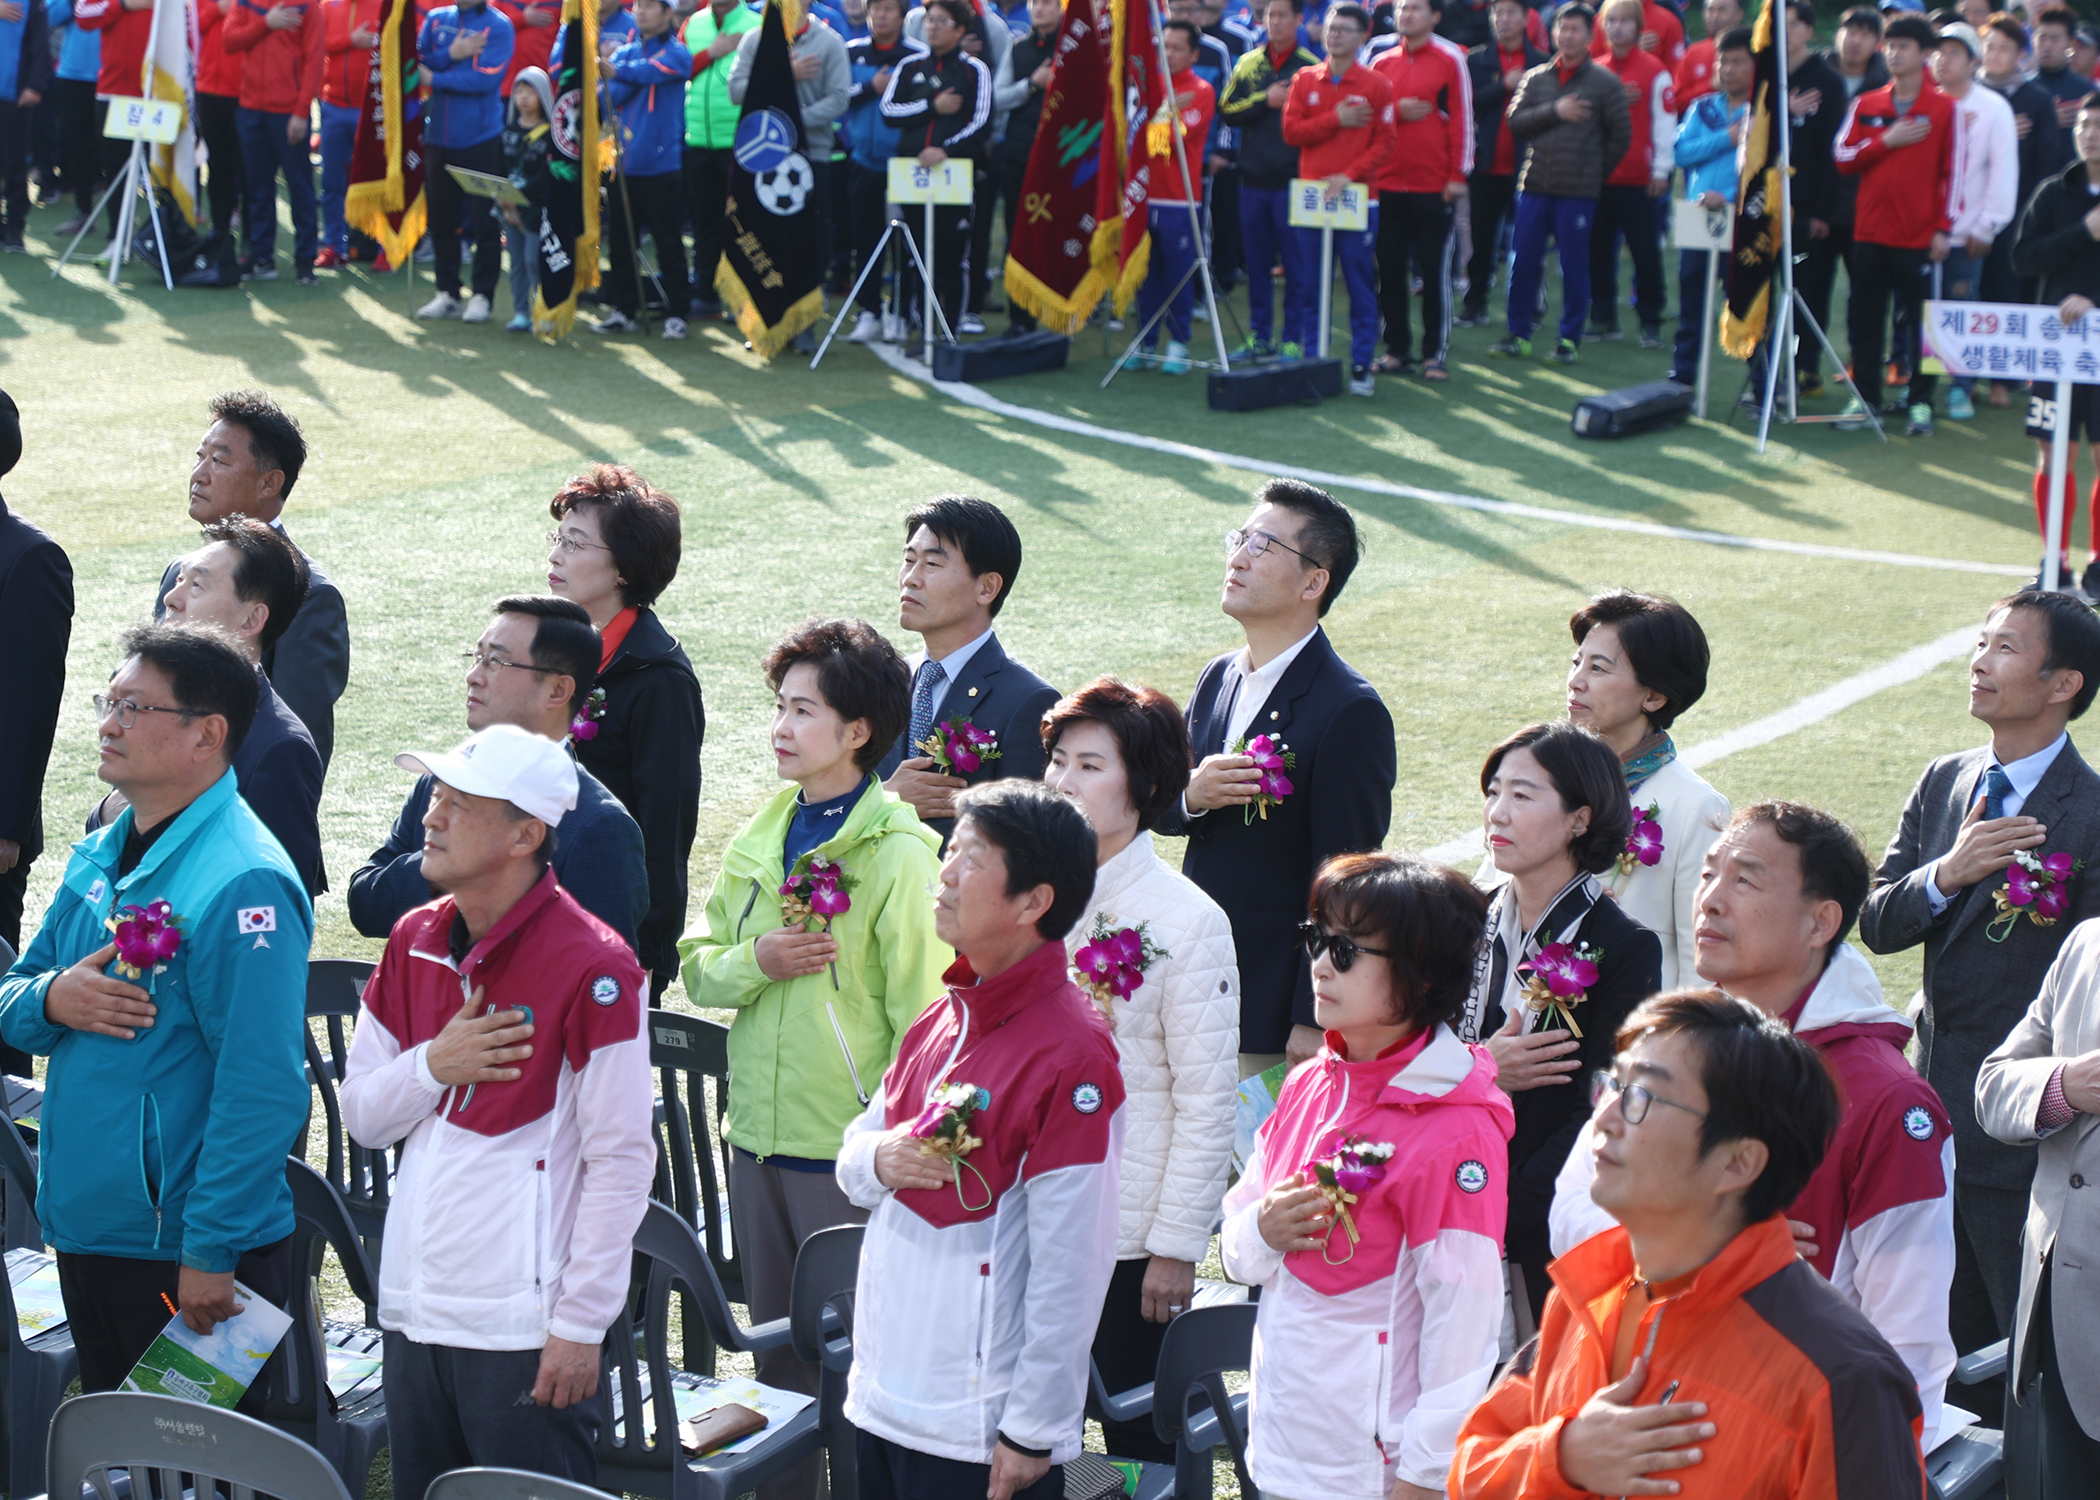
(1640, 661)
(1157, 955)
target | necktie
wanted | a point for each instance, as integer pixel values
(1232, 699)
(931, 676)
(1997, 786)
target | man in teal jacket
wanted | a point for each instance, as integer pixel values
(177, 1081)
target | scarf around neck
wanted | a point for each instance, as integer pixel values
(1649, 756)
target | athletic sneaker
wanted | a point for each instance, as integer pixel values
(1959, 407)
(894, 328)
(2064, 575)
(674, 328)
(1651, 336)
(305, 276)
(443, 305)
(1511, 348)
(330, 259)
(615, 321)
(1920, 421)
(519, 323)
(1606, 333)
(71, 227)
(1176, 361)
(1565, 352)
(867, 328)
(1853, 418)
(1361, 382)
(1253, 348)
(476, 311)
(1470, 320)
(1290, 350)
(264, 271)
(970, 323)
(1811, 385)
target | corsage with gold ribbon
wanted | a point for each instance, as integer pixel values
(1343, 1178)
(1559, 979)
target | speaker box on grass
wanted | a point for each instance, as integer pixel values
(1283, 382)
(1638, 408)
(993, 359)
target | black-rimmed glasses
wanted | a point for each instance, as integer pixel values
(126, 710)
(1258, 542)
(1340, 948)
(1633, 1099)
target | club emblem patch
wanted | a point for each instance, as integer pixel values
(1471, 1176)
(258, 918)
(605, 989)
(95, 892)
(1917, 1123)
(1086, 1098)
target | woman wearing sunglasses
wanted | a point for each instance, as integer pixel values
(1371, 1213)
(1157, 954)
(614, 550)
(1562, 966)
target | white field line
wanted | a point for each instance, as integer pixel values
(970, 395)
(1815, 708)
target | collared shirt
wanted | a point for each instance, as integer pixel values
(1246, 688)
(2025, 775)
(952, 665)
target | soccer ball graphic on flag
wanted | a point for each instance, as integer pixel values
(785, 188)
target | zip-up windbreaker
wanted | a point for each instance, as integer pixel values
(280, 70)
(172, 1145)
(710, 115)
(465, 103)
(1267, 163)
(1807, 1400)
(908, 104)
(808, 1051)
(1363, 1370)
(1882, 1202)
(514, 1212)
(1436, 150)
(870, 139)
(646, 82)
(1325, 146)
(1653, 118)
(1906, 193)
(124, 33)
(977, 1302)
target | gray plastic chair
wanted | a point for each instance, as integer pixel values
(187, 1443)
(1200, 1346)
(40, 1366)
(1969, 1464)
(506, 1484)
(334, 992)
(820, 1328)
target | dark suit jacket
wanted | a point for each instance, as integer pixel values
(310, 664)
(1976, 990)
(1550, 1118)
(993, 692)
(1260, 870)
(647, 753)
(36, 622)
(597, 858)
(280, 777)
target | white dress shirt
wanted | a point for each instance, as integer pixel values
(951, 665)
(1246, 688)
(2025, 776)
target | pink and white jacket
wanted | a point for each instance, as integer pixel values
(514, 1211)
(1364, 1370)
(977, 1302)
(1882, 1202)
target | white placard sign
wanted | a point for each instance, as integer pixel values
(1311, 208)
(1700, 228)
(144, 120)
(2013, 341)
(950, 182)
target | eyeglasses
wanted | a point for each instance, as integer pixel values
(1633, 1099)
(1258, 542)
(126, 711)
(1339, 948)
(569, 546)
(496, 664)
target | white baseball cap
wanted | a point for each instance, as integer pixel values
(1963, 32)
(507, 762)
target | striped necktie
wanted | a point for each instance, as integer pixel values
(931, 675)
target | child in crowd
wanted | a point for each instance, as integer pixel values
(527, 139)
(1371, 1214)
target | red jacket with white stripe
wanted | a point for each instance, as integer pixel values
(1695, 73)
(1359, 152)
(977, 1301)
(1669, 36)
(217, 73)
(1905, 192)
(1436, 150)
(280, 70)
(1195, 126)
(1651, 106)
(1364, 1370)
(1881, 1203)
(124, 37)
(514, 1212)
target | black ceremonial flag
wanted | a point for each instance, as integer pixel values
(569, 221)
(1760, 197)
(770, 272)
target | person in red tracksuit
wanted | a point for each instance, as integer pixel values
(1899, 141)
(1340, 117)
(352, 29)
(218, 105)
(1661, 36)
(282, 51)
(1419, 190)
(1695, 70)
(536, 22)
(125, 25)
(1627, 205)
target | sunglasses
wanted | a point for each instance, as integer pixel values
(1340, 948)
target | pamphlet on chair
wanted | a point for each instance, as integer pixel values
(214, 1368)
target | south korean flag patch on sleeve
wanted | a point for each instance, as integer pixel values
(258, 918)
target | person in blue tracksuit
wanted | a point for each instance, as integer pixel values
(465, 52)
(645, 83)
(1706, 146)
(176, 1088)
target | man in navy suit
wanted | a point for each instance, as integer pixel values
(1256, 859)
(961, 556)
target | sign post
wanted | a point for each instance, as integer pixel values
(951, 182)
(1314, 207)
(138, 121)
(1697, 227)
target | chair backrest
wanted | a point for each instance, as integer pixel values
(121, 1430)
(506, 1484)
(334, 991)
(18, 1168)
(295, 1395)
(1201, 1345)
(827, 1267)
(691, 1058)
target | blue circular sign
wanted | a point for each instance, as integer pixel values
(764, 139)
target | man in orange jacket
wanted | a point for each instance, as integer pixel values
(281, 47)
(1691, 1351)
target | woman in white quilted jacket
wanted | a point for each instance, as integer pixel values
(1156, 953)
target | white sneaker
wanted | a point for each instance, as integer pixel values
(477, 310)
(970, 323)
(614, 321)
(444, 305)
(892, 328)
(674, 328)
(867, 328)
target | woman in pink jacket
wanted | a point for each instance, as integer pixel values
(1371, 1216)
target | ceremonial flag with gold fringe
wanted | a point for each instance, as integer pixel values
(1136, 92)
(384, 198)
(171, 74)
(1050, 268)
(770, 272)
(1759, 199)
(569, 219)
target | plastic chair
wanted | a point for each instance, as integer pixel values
(1968, 1464)
(187, 1444)
(638, 1450)
(39, 1367)
(334, 992)
(297, 1400)
(692, 1159)
(820, 1327)
(506, 1484)
(1200, 1346)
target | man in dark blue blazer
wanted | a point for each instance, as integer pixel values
(533, 668)
(247, 463)
(1254, 854)
(961, 556)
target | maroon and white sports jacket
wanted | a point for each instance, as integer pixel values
(977, 1302)
(514, 1212)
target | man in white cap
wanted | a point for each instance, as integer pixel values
(501, 1038)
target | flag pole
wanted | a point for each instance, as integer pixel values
(1188, 186)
